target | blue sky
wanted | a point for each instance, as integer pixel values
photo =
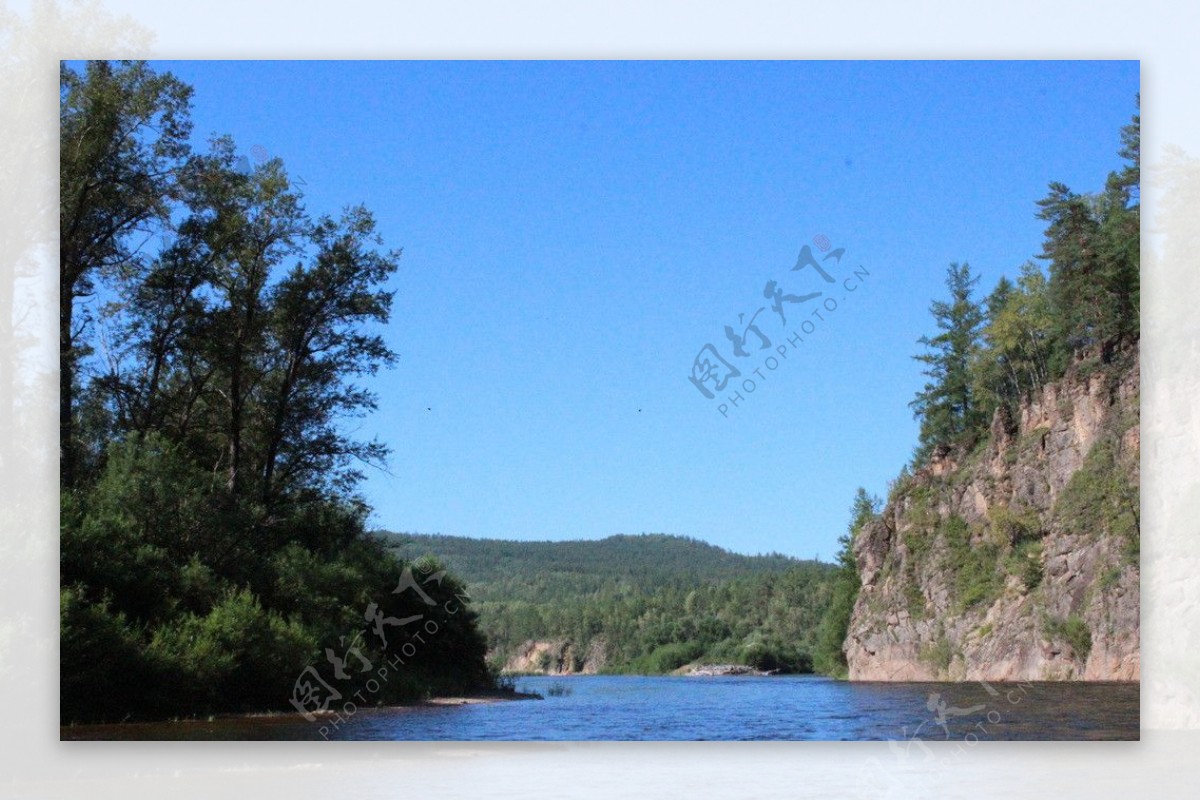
(574, 233)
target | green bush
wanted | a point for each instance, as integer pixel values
(1025, 562)
(914, 598)
(828, 656)
(666, 658)
(323, 587)
(1110, 578)
(977, 580)
(775, 655)
(1100, 499)
(143, 534)
(938, 655)
(1073, 631)
(103, 671)
(1008, 527)
(239, 656)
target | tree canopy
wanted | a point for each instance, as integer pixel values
(947, 405)
(212, 337)
(1025, 334)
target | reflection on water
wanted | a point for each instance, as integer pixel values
(723, 708)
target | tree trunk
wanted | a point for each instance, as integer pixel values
(66, 392)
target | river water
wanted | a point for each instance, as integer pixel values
(715, 708)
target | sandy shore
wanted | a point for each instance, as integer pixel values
(495, 697)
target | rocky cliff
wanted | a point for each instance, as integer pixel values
(557, 657)
(1016, 559)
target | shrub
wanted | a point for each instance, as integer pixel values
(666, 658)
(321, 587)
(238, 656)
(775, 655)
(1099, 498)
(914, 598)
(974, 568)
(938, 654)
(1073, 631)
(1110, 578)
(1025, 562)
(1008, 527)
(102, 669)
(828, 656)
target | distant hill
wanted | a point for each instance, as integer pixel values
(542, 570)
(640, 603)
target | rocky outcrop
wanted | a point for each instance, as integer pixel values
(1019, 559)
(557, 658)
(722, 670)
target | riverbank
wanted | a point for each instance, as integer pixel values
(264, 725)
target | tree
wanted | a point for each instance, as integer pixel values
(318, 342)
(829, 656)
(123, 137)
(1093, 244)
(1075, 286)
(1120, 240)
(947, 406)
(1129, 178)
(215, 544)
(249, 365)
(1015, 342)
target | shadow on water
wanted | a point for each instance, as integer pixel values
(624, 708)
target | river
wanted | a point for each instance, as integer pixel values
(719, 708)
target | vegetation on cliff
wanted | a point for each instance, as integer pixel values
(1013, 521)
(989, 356)
(829, 658)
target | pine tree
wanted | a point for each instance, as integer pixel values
(1092, 243)
(1120, 240)
(946, 406)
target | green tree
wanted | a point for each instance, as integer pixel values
(320, 342)
(946, 406)
(1093, 244)
(123, 138)
(251, 367)
(1076, 290)
(829, 656)
(1120, 240)
(1016, 341)
(215, 544)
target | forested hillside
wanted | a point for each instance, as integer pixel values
(649, 603)
(212, 330)
(547, 571)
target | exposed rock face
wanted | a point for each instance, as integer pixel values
(557, 657)
(722, 670)
(1017, 561)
